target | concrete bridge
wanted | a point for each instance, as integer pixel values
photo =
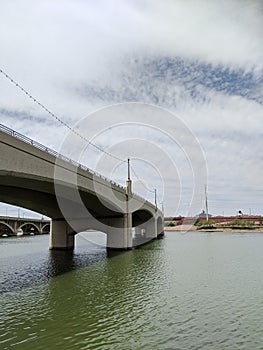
(11, 225)
(37, 178)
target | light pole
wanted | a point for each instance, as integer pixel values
(128, 181)
(206, 205)
(129, 169)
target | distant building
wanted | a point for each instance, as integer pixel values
(203, 215)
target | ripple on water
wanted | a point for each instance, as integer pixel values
(184, 292)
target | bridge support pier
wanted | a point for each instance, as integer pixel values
(119, 235)
(147, 233)
(150, 229)
(61, 236)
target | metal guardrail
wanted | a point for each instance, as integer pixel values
(38, 145)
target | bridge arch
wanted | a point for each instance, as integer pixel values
(98, 238)
(141, 216)
(30, 227)
(45, 228)
(6, 229)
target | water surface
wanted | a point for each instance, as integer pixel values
(187, 291)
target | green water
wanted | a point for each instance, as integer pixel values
(187, 291)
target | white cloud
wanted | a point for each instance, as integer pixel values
(78, 56)
(226, 32)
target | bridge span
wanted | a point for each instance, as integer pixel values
(76, 198)
(12, 225)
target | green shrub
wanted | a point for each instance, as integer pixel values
(204, 224)
(241, 223)
(169, 224)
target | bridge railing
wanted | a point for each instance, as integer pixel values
(38, 145)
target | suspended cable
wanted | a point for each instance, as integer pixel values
(146, 187)
(58, 118)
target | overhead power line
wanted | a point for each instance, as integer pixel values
(58, 119)
(53, 115)
(135, 174)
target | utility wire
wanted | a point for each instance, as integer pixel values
(58, 119)
(147, 188)
(53, 115)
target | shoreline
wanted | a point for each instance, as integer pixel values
(192, 228)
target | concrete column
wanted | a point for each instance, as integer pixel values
(150, 228)
(128, 229)
(119, 235)
(160, 227)
(61, 236)
(138, 232)
(15, 227)
(128, 187)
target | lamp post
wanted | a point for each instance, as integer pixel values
(206, 205)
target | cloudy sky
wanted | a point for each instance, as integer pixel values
(200, 61)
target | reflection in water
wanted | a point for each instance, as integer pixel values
(29, 266)
(82, 298)
(191, 291)
(60, 262)
(29, 261)
(108, 301)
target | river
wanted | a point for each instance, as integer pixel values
(186, 291)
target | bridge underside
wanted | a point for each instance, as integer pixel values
(120, 230)
(124, 230)
(40, 196)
